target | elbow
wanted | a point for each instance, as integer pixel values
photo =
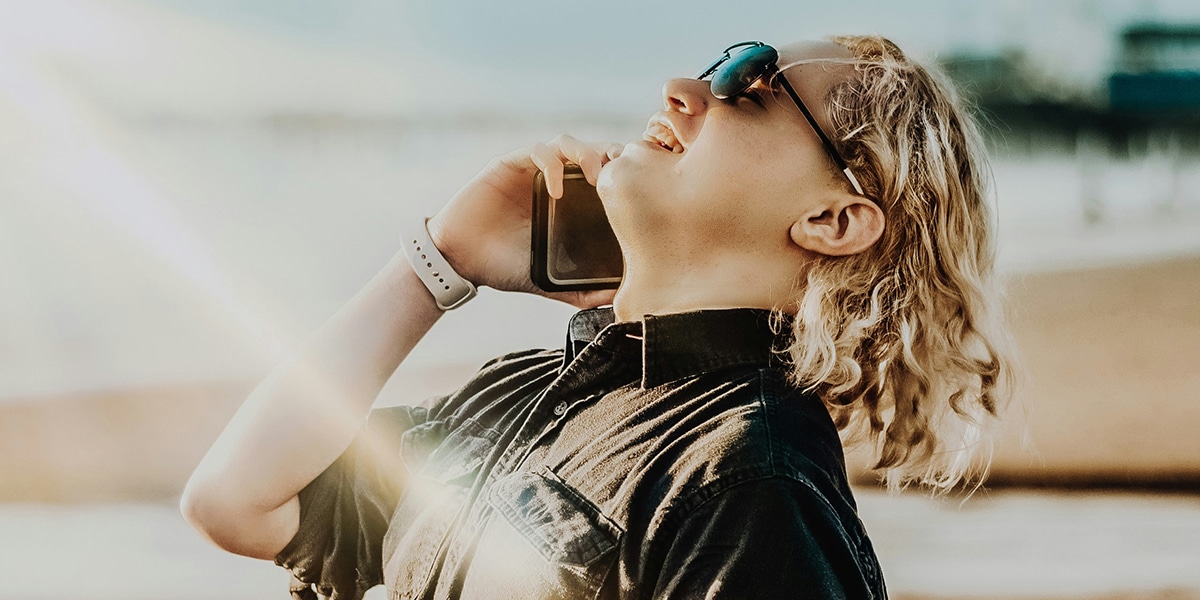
(203, 511)
(234, 528)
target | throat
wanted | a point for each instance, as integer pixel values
(660, 291)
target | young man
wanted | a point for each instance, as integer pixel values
(807, 250)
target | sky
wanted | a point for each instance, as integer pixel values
(540, 42)
(241, 57)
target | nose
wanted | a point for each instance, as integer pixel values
(688, 96)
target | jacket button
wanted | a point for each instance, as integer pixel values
(560, 409)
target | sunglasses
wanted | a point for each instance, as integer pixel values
(743, 64)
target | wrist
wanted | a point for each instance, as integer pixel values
(448, 287)
(437, 234)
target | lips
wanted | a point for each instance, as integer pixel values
(660, 132)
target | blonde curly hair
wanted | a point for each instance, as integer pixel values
(906, 343)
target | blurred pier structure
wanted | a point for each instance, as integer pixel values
(1147, 111)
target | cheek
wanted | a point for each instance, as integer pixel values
(742, 167)
(752, 190)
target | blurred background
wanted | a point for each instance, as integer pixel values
(188, 188)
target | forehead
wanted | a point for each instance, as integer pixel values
(819, 70)
(818, 59)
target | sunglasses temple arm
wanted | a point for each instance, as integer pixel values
(837, 158)
(854, 181)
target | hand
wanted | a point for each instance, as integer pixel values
(484, 230)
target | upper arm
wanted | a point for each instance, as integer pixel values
(766, 538)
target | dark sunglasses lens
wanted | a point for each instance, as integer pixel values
(742, 70)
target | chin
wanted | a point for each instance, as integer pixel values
(636, 174)
(605, 183)
(620, 187)
(614, 181)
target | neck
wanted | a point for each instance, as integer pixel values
(662, 289)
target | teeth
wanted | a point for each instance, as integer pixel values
(662, 144)
(663, 136)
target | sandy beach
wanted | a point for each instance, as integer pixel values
(1112, 393)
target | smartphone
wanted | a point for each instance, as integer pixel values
(573, 246)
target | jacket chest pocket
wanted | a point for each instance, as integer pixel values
(544, 540)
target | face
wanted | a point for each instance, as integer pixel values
(742, 169)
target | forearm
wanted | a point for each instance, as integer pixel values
(307, 411)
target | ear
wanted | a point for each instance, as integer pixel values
(847, 226)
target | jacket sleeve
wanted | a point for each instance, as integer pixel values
(344, 512)
(764, 538)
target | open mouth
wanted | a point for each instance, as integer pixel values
(661, 134)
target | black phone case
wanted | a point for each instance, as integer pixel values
(539, 244)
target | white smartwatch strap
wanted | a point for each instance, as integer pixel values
(449, 288)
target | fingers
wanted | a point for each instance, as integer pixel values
(579, 153)
(550, 162)
(551, 156)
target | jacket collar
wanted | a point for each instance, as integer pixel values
(678, 345)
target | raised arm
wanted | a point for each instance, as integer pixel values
(243, 495)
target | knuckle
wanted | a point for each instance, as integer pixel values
(569, 142)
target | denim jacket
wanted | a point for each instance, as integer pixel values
(668, 458)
